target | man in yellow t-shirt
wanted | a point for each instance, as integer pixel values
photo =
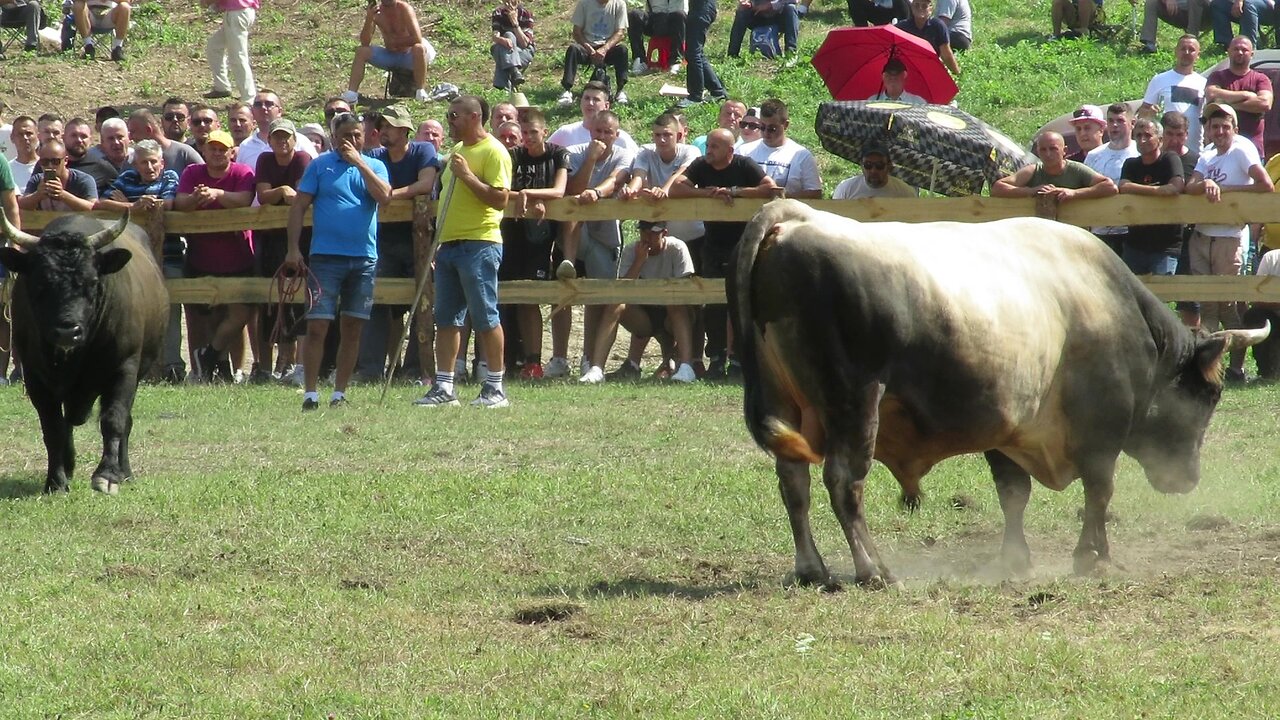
(476, 183)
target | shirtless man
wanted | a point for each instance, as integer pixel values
(403, 47)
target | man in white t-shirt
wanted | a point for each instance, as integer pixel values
(25, 143)
(595, 97)
(1181, 88)
(655, 169)
(876, 180)
(656, 256)
(788, 163)
(1266, 353)
(1108, 160)
(1229, 164)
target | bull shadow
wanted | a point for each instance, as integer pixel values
(640, 587)
(16, 486)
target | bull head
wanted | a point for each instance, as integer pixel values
(96, 241)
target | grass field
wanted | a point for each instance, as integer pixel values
(612, 551)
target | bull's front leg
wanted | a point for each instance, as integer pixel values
(851, 441)
(1013, 486)
(115, 420)
(793, 484)
(1092, 553)
(57, 437)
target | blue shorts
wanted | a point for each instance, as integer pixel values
(467, 280)
(387, 60)
(345, 279)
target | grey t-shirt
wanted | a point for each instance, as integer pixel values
(674, 261)
(605, 232)
(179, 155)
(961, 18)
(599, 22)
(658, 173)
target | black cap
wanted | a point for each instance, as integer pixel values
(655, 225)
(893, 64)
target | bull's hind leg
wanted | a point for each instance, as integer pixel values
(793, 483)
(1013, 486)
(1098, 477)
(851, 441)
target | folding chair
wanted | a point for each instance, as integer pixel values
(13, 25)
(399, 84)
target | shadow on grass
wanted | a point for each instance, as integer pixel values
(1016, 37)
(24, 485)
(635, 587)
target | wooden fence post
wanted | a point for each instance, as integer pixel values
(153, 221)
(424, 327)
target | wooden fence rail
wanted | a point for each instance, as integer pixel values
(1116, 210)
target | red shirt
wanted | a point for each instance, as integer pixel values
(1251, 124)
(222, 253)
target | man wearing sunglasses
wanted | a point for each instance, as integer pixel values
(876, 179)
(174, 119)
(203, 121)
(56, 186)
(267, 108)
(788, 163)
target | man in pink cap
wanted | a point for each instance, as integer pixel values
(1089, 124)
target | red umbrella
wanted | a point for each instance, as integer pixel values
(851, 59)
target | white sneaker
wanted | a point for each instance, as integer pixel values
(685, 374)
(622, 98)
(639, 67)
(593, 376)
(566, 98)
(351, 97)
(566, 270)
(674, 69)
(420, 95)
(558, 367)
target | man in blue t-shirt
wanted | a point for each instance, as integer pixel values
(345, 189)
(412, 166)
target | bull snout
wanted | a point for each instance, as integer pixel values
(67, 336)
(1173, 481)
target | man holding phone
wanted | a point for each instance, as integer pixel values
(58, 187)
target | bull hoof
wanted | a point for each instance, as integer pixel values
(812, 579)
(52, 487)
(910, 503)
(104, 486)
(880, 582)
(1086, 562)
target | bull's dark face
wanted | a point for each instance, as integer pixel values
(62, 279)
(1167, 441)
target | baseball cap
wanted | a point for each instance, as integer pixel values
(398, 116)
(222, 137)
(1214, 107)
(1088, 113)
(894, 65)
(282, 124)
(654, 225)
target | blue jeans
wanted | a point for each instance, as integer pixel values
(387, 60)
(467, 281)
(787, 20)
(1146, 262)
(1255, 12)
(349, 279)
(701, 75)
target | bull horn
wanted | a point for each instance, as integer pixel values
(103, 238)
(1241, 339)
(14, 235)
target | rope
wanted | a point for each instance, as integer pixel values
(287, 286)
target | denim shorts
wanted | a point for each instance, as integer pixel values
(342, 278)
(467, 280)
(381, 57)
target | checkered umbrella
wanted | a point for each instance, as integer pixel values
(935, 147)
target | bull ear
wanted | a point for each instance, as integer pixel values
(112, 260)
(1208, 357)
(13, 259)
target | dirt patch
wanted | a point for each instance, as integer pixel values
(545, 613)
(126, 571)
(363, 583)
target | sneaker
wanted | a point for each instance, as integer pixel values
(793, 57)
(557, 368)
(715, 371)
(639, 67)
(664, 371)
(258, 376)
(621, 98)
(689, 102)
(296, 376)
(593, 376)
(566, 98)
(308, 404)
(532, 371)
(89, 51)
(566, 271)
(217, 94)
(517, 77)
(1235, 377)
(685, 374)
(338, 402)
(350, 97)
(436, 397)
(626, 371)
(30, 47)
(420, 95)
(223, 373)
(674, 69)
(117, 53)
(490, 398)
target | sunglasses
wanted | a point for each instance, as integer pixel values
(453, 114)
(874, 166)
(52, 162)
(202, 121)
(174, 117)
(749, 126)
(265, 103)
(330, 112)
(773, 128)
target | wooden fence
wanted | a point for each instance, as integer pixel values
(1235, 208)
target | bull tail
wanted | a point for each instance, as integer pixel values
(768, 431)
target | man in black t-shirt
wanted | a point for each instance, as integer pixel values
(539, 172)
(1152, 249)
(721, 174)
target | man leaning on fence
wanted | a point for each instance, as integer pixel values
(1054, 176)
(1155, 172)
(345, 189)
(476, 183)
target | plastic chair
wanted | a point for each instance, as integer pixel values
(658, 56)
